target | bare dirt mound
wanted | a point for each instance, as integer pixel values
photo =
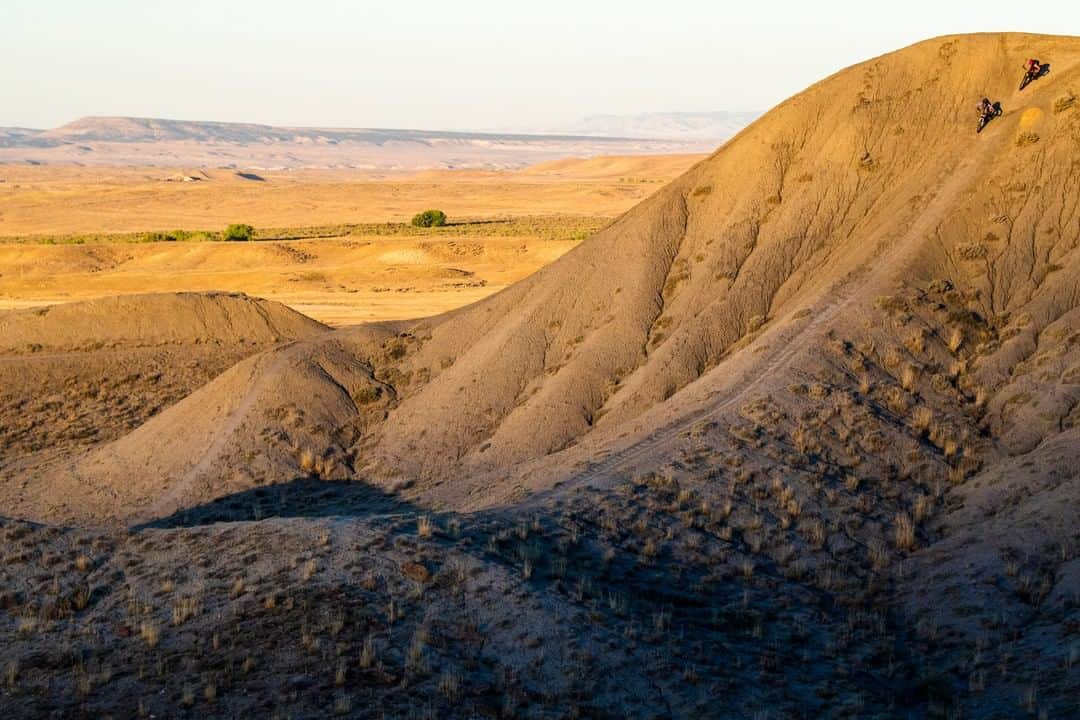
(74, 376)
(159, 319)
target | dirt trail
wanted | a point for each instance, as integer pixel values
(794, 342)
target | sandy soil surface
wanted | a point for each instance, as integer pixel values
(338, 280)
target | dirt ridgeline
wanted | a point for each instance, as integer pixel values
(159, 319)
(821, 355)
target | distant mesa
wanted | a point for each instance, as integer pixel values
(145, 130)
(112, 141)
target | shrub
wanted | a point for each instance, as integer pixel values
(956, 339)
(1026, 138)
(909, 377)
(905, 532)
(922, 418)
(238, 232)
(188, 235)
(149, 632)
(1064, 102)
(152, 237)
(367, 395)
(429, 218)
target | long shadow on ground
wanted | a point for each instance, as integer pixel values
(642, 572)
(304, 497)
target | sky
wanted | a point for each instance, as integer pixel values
(453, 64)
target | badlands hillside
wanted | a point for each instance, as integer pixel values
(794, 437)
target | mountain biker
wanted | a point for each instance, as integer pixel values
(985, 108)
(1033, 67)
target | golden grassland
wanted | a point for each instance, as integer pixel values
(333, 244)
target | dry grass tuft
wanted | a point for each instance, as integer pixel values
(924, 505)
(1026, 138)
(325, 468)
(879, 555)
(909, 377)
(800, 438)
(342, 705)
(896, 400)
(916, 343)
(450, 685)
(956, 339)
(416, 658)
(367, 653)
(149, 632)
(922, 418)
(950, 447)
(185, 608)
(1064, 102)
(905, 532)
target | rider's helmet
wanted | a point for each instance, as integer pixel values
(986, 101)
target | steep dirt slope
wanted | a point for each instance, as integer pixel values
(870, 181)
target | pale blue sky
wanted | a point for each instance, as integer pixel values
(452, 64)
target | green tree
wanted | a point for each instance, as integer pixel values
(238, 232)
(430, 218)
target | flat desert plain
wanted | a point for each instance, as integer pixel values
(333, 244)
